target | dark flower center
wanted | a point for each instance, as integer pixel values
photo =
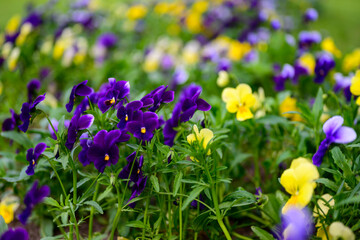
(109, 102)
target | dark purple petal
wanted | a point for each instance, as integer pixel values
(124, 137)
(37, 100)
(99, 138)
(96, 154)
(39, 149)
(83, 90)
(188, 114)
(85, 121)
(15, 234)
(112, 137)
(320, 153)
(25, 117)
(202, 105)
(113, 152)
(24, 215)
(147, 102)
(134, 105)
(168, 97)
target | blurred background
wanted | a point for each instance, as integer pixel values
(339, 19)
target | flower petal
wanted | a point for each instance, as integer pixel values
(85, 121)
(332, 125)
(202, 105)
(344, 135)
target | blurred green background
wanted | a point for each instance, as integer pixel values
(338, 18)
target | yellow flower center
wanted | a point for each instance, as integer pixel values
(143, 130)
(110, 102)
(107, 157)
(138, 171)
(33, 162)
(126, 117)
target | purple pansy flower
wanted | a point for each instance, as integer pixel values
(287, 72)
(34, 19)
(275, 24)
(116, 90)
(9, 124)
(78, 90)
(128, 113)
(324, 63)
(137, 189)
(136, 168)
(104, 151)
(335, 133)
(26, 111)
(77, 123)
(85, 143)
(167, 62)
(144, 126)
(155, 98)
(310, 15)
(183, 111)
(32, 87)
(107, 40)
(15, 234)
(33, 155)
(224, 64)
(194, 203)
(297, 224)
(343, 83)
(33, 197)
(308, 38)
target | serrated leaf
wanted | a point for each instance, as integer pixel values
(342, 163)
(262, 234)
(155, 182)
(193, 194)
(177, 182)
(95, 205)
(136, 224)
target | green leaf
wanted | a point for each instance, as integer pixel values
(18, 137)
(61, 125)
(177, 182)
(80, 183)
(262, 234)
(3, 225)
(342, 163)
(18, 178)
(155, 182)
(193, 194)
(95, 205)
(136, 224)
(317, 108)
(52, 202)
(64, 161)
(328, 183)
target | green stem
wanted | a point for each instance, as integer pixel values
(145, 214)
(241, 236)
(76, 225)
(180, 214)
(57, 175)
(92, 211)
(169, 213)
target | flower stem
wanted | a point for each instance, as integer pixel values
(92, 211)
(57, 175)
(180, 214)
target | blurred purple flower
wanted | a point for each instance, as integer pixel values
(343, 83)
(335, 133)
(297, 224)
(224, 64)
(9, 124)
(15, 234)
(275, 24)
(78, 90)
(34, 18)
(310, 15)
(26, 110)
(33, 197)
(287, 72)
(33, 86)
(308, 38)
(107, 40)
(324, 63)
(55, 124)
(77, 124)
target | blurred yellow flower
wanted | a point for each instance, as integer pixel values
(355, 86)
(203, 137)
(13, 24)
(136, 12)
(24, 32)
(238, 50)
(298, 181)
(328, 45)
(13, 59)
(239, 100)
(200, 6)
(289, 105)
(223, 79)
(8, 206)
(325, 202)
(259, 107)
(161, 8)
(193, 22)
(352, 60)
(338, 230)
(307, 61)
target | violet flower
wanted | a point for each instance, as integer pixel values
(335, 133)
(155, 98)
(310, 15)
(15, 234)
(275, 24)
(104, 151)
(224, 64)
(343, 83)
(297, 224)
(128, 113)
(32, 87)
(324, 63)
(167, 62)
(287, 72)
(77, 124)
(9, 124)
(308, 38)
(116, 90)
(78, 90)
(33, 197)
(26, 110)
(85, 143)
(107, 40)
(144, 126)
(137, 189)
(34, 18)
(32, 157)
(184, 110)
(136, 166)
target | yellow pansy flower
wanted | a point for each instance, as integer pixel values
(239, 100)
(355, 86)
(338, 230)
(24, 32)
(298, 181)
(200, 6)
(193, 22)
(289, 105)
(8, 206)
(352, 60)
(328, 45)
(223, 79)
(259, 103)
(325, 202)
(13, 24)
(136, 12)
(307, 61)
(237, 50)
(204, 136)
(13, 59)
(161, 8)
